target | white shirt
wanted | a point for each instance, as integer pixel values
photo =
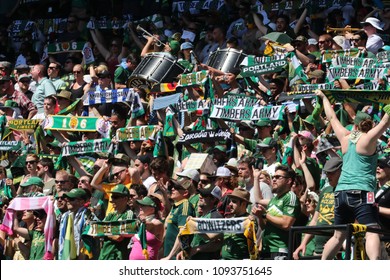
(374, 43)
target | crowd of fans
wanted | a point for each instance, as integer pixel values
(317, 160)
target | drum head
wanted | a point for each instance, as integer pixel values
(226, 59)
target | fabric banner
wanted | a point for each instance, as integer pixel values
(229, 225)
(365, 73)
(347, 61)
(164, 87)
(23, 124)
(102, 229)
(202, 136)
(296, 71)
(358, 96)
(180, 6)
(301, 4)
(168, 130)
(88, 55)
(244, 109)
(86, 147)
(165, 101)
(192, 106)
(10, 145)
(70, 108)
(109, 96)
(331, 54)
(308, 88)
(254, 66)
(383, 56)
(46, 26)
(72, 123)
(136, 133)
(65, 47)
(193, 79)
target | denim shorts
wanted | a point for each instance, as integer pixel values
(351, 205)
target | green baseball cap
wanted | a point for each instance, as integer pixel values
(76, 193)
(121, 190)
(147, 201)
(175, 46)
(264, 122)
(33, 181)
(268, 142)
(361, 116)
(220, 148)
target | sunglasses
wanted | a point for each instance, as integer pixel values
(31, 162)
(355, 40)
(204, 181)
(117, 174)
(175, 186)
(61, 182)
(116, 196)
(60, 198)
(52, 67)
(24, 81)
(277, 177)
(84, 181)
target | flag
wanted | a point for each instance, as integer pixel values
(69, 252)
(143, 241)
(160, 146)
(296, 71)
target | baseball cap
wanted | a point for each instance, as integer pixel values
(223, 172)
(306, 134)
(220, 148)
(24, 76)
(361, 116)
(316, 74)
(190, 173)
(119, 159)
(76, 193)
(121, 190)
(103, 74)
(209, 190)
(384, 161)
(33, 181)
(186, 46)
(300, 38)
(262, 123)
(147, 201)
(312, 41)
(333, 164)
(268, 142)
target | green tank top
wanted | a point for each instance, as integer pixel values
(358, 171)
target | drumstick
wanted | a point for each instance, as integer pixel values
(196, 58)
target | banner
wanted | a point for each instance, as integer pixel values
(300, 4)
(86, 147)
(192, 106)
(193, 79)
(165, 101)
(244, 109)
(10, 145)
(164, 87)
(347, 61)
(308, 88)
(358, 96)
(365, 73)
(228, 225)
(136, 133)
(72, 123)
(23, 124)
(101, 229)
(195, 6)
(383, 56)
(254, 66)
(62, 47)
(331, 54)
(109, 96)
(208, 135)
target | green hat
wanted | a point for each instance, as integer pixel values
(175, 46)
(76, 193)
(147, 201)
(220, 148)
(33, 181)
(119, 159)
(263, 122)
(268, 142)
(54, 144)
(10, 104)
(361, 116)
(121, 190)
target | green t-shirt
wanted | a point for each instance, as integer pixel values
(121, 75)
(325, 208)
(275, 240)
(315, 171)
(37, 250)
(116, 250)
(177, 217)
(235, 246)
(201, 239)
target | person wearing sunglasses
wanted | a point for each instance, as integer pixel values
(31, 167)
(79, 86)
(180, 211)
(279, 215)
(54, 74)
(77, 213)
(115, 247)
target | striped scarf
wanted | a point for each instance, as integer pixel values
(32, 203)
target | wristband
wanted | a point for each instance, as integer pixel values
(387, 109)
